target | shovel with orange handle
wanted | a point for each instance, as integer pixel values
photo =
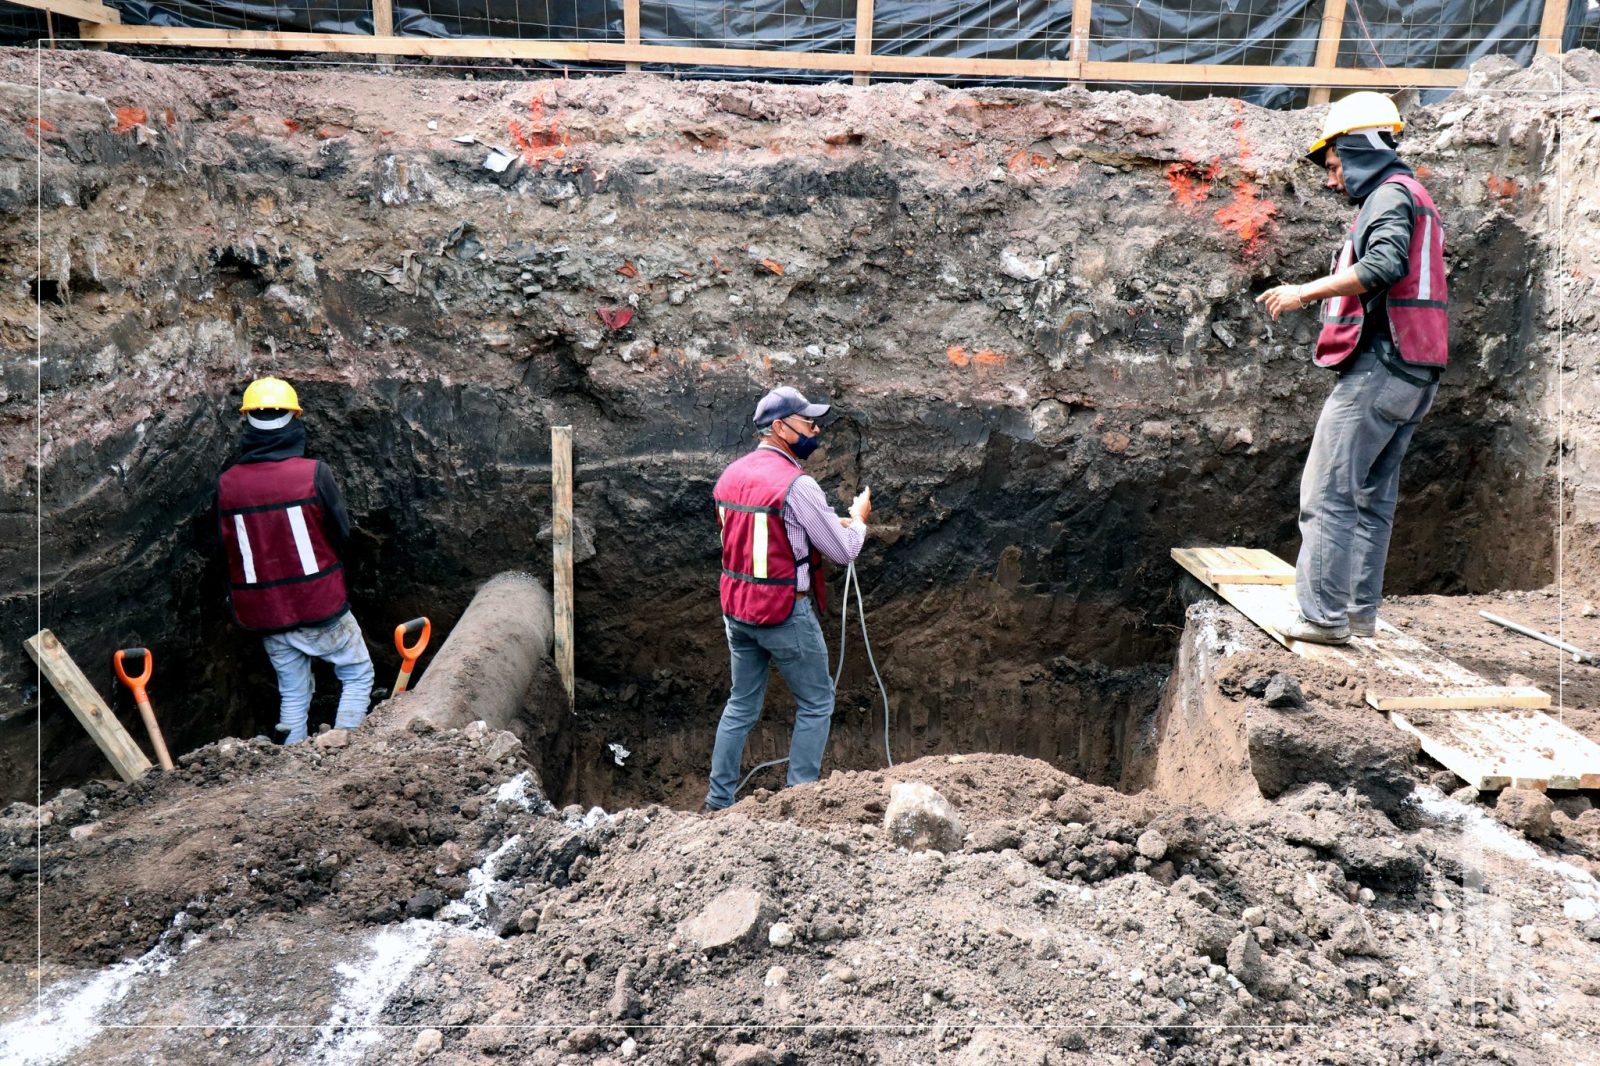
(134, 657)
(418, 630)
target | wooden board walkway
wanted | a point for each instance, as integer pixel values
(1489, 735)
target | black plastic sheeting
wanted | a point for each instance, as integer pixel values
(1393, 33)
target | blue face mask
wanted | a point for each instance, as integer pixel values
(804, 445)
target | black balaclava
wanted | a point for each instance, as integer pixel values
(1368, 157)
(269, 445)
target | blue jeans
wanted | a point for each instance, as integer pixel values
(339, 643)
(1349, 490)
(796, 646)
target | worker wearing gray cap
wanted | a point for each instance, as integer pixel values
(776, 526)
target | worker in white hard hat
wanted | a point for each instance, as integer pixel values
(284, 523)
(1385, 332)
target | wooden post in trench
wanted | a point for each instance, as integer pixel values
(561, 544)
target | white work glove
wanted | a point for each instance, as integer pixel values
(861, 506)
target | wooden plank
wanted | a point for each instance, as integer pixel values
(1250, 577)
(1524, 696)
(1400, 666)
(601, 52)
(383, 18)
(1527, 749)
(561, 538)
(1265, 560)
(1240, 566)
(83, 10)
(1328, 37)
(1228, 74)
(1552, 25)
(630, 27)
(1082, 14)
(863, 40)
(87, 706)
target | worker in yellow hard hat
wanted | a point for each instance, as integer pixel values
(1385, 332)
(284, 523)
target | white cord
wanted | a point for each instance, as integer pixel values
(850, 579)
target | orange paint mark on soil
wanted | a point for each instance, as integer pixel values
(1503, 188)
(36, 126)
(1247, 215)
(957, 355)
(128, 118)
(536, 139)
(1191, 183)
(774, 266)
(291, 125)
(988, 357)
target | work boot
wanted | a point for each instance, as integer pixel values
(1363, 627)
(1312, 633)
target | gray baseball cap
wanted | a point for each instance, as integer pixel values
(784, 401)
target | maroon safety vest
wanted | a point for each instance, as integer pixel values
(759, 567)
(282, 571)
(1418, 321)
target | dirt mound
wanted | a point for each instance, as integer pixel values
(984, 787)
(243, 827)
(1072, 920)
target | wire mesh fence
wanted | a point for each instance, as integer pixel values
(540, 20)
(22, 25)
(1583, 25)
(825, 26)
(1437, 35)
(1262, 32)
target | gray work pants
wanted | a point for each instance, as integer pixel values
(1349, 489)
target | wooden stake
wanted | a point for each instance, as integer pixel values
(87, 706)
(383, 25)
(561, 541)
(630, 28)
(1552, 26)
(1082, 11)
(864, 40)
(1328, 38)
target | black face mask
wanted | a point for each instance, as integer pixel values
(1367, 162)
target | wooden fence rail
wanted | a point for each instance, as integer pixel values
(99, 24)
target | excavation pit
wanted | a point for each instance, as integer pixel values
(1048, 380)
(1035, 315)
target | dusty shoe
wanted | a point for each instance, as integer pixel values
(1311, 633)
(1363, 627)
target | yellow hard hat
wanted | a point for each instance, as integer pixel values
(270, 394)
(1358, 111)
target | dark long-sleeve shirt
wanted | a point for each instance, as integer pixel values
(1383, 252)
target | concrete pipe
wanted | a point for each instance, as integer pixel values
(485, 667)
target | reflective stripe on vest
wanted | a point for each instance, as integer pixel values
(283, 570)
(1416, 304)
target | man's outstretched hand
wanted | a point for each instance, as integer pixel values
(1281, 298)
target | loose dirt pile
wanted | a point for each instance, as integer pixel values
(1071, 920)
